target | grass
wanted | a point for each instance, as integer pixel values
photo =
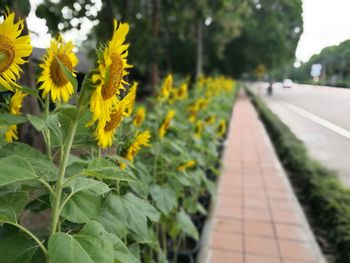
(326, 199)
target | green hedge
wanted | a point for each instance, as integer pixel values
(318, 188)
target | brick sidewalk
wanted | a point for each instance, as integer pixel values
(257, 218)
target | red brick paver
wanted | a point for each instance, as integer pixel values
(256, 218)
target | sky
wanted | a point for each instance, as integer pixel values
(326, 23)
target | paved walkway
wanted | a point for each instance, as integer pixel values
(257, 218)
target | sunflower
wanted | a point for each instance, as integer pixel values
(142, 139)
(193, 112)
(13, 49)
(53, 78)
(210, 120)
(166, 123)
(166, 88)
(221, 128)
(15, 109)
(109, 78)
(139, 116)
(105, 130)
(128, 101)
(198, 129)
(182, 92)
(186, 165)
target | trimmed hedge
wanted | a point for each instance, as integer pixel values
(318, 188)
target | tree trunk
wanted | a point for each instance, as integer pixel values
(155, 35)
(27, 133)
(199, 58)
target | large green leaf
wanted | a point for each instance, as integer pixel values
(38, 123)
(15, 169)
(164, 197)
(89, 186)
(42, 165)
(63, 248)
(104, 169)
(82, 208)
(9, 119)
(11, 205)
(17, 248)
(91, 245)
(121, 252)
(97, 242)
(187, 225)
(128, 211)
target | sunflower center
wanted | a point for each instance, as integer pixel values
(115, 77)
(114, 122)
(57, 74)
(7, 53)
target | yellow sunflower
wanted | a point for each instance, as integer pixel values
(15, 109)
(186, 165)
(221, 130)
(106, 129)
(13, 49)
(128, 101)
(53, 79)
(166, 123)
(139, 116)
(182, 92)
(109, 79)
(166, 88)
(142, 139)
(210, 120)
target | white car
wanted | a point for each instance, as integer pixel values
(287, 83)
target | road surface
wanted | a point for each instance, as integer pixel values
(320, 117)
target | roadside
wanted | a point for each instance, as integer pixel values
(256, 216)
(318, 116)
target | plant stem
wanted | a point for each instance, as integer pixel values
(66, 151)
(48, 187)
(43, 248)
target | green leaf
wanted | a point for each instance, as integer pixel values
(187, 225)
(42, 165)
(9, 119)
(109, 173)
(16, 200)
(17, 248)
(91, 245)
(38, 123)
(68, 75)
(164, 197)
(89, 186)
(69, 111)
(96, 242)
(7, 214)
(63, 248)
(15, 169)
(82, 208)
(34, 92)
(121, 251)
(128, 211)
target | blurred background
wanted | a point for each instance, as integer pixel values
(232, 37)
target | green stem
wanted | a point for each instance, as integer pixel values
(59, 183)
(43, 248)
(48, 187)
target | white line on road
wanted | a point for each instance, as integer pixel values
(333, 127)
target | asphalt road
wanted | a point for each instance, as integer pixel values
(320, 117)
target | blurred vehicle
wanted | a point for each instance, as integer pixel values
(287, 83)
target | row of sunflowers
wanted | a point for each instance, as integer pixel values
(115, 184)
